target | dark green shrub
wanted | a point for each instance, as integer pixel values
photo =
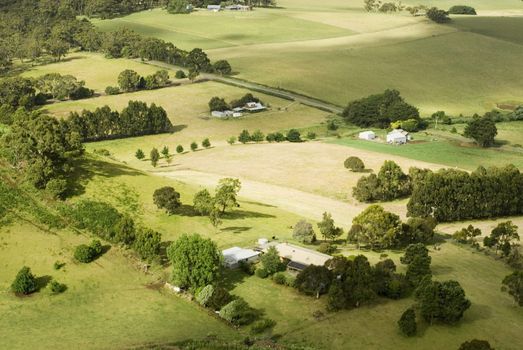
(238, 312)
(57, 288)
(220, 297)
(407, 323)
(462, 10)
(25, 282)
(262, 272)
(112, 90)
(87, 253)
(293, 135)
(262, 326)
(180, 74)
(279, 278)
(248, 268)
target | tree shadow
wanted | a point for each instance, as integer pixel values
(236, 229)
(177, 128)
(105, 249)
(231, 278)
(87, 168)
(441, 269)
(186, 210)
(42, 282)
(244, 214)
(260, 204)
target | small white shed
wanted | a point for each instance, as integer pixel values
(232, 257)
(367, 135)
(398, 136)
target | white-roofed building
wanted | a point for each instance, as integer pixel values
(398, 136)
(367, 135)
(298, 257)
(232, 257)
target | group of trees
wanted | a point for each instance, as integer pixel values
(86, 253)
(380, 110)
(33, 28)
(219, 104)
(61, 87)
(104, 221)
(386, 7)
(43, 148)
(503, 238)
(225, 198)
(257, 136)
(134, 120)
(390, 183)
(379, 228)
(437, 15)
(454, 195)
(129, 80)
(26, 283)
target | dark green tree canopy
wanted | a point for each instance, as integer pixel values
(482, 130)
(196, 261)
(25, 282)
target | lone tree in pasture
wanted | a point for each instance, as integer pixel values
(407, 323)
(203, 203)
(513, 285)
(196, 261)
(194, 146)
(376, 227)
(226, 192)
(482, 130)
(206, 143)
(167, 198)
(25, 282)
(441, 301)
(139, 154)
(155, 157)
(354, 163)
(222, 67)
(476, 344)
(327, 228)
(165, 152)
(88, 253)
(179, 149)
(304, 232)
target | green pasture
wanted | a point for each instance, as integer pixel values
(439, 150)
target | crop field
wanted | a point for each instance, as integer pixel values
(345, 53)
(375, 326)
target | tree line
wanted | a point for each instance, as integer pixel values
(33, 28)
(136, 119)
(455, 195)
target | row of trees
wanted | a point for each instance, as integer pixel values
(104, 221)
(134, 120)
(380, 110)
(155, 155)
(257, 136)
(129, 80)
(454, 195)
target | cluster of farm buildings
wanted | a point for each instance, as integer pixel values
(250, 107)
(297, 258)
(396, 136)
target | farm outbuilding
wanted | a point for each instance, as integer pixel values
(298, 257)
(367, 135)
(398, 136)
(232, 257)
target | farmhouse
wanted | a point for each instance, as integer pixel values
(298, 257)
(214, 8)
(238, 7)
(398, 136)
(232, 257)
(367, 135)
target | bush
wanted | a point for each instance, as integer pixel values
(279, 278)
(180, 74)
(179, 149)
(25, 282)
(112, 90)
(262, 272)
(261, 326)
(354, 163)
(218, 104)
(437, 15)
(204, 295)
(81, 93)
(87, 253)
(56, 188)
(206, 143)
(407, 323)
(327, 248)
(238, 312)
(247, 267)
(147, 244)
(311, 135)
(462, 10)
(293, 135)
(58, 265)
(57, 288)
(476, 344)
(194, 146)
(222, 67)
